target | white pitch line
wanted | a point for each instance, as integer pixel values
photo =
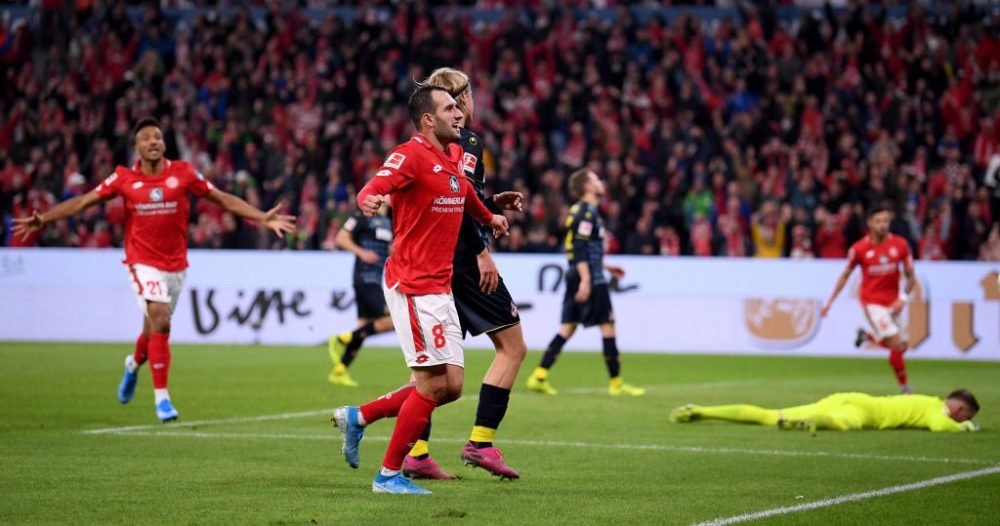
(283, 416)
(965, 475)
(221, 421)
(577, 444)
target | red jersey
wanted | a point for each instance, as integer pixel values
(880, 267)
(156, 212)
(429, 195)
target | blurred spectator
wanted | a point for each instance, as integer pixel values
(767, 228)
(763, 136)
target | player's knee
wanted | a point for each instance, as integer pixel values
(514, 351)
(451, 394)
(897, 343)
(159, 320)
(441, 389)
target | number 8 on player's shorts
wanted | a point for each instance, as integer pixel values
(427, 326)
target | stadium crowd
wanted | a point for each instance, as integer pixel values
(740, 136)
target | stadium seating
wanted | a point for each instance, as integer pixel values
(721, 131)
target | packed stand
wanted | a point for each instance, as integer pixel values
(752, 136)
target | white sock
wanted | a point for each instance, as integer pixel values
(161, 395)
(361, 419)
(130, 364)
(386, 472)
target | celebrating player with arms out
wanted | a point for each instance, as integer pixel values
(156, 193)
(879, 254)
(851, 411)
(430, 195)
(369, 239)
(587, 299)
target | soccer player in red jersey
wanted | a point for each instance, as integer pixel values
(880, 254)
(156, 193)
(430, 195)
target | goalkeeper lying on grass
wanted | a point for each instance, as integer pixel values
(850, 411)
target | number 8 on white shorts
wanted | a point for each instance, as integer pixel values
(427, 327)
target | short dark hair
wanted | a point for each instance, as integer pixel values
(578, 181)
(965, 396)
(881, 206)
(422, 101)
(145, 122)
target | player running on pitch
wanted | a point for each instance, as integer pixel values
(850, 412)
(430, 195)
(369, 239)
(880, 254)
(156, 191)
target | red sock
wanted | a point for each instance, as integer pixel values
(898, 365)
(159, 359)
(141, 347)
(412, 420)
(387, 405)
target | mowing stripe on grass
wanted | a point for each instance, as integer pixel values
(703, 385)
(852, 497)
(586, 445)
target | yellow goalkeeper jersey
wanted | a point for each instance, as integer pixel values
(902, 411)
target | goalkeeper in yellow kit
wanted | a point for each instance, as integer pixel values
(851, 411)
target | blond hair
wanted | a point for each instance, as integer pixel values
(451, 79)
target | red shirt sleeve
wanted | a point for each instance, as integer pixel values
(110, 187)
(197, 183)
(395, 173)
(476, 207)
(853, 258)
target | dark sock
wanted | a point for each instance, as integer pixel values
(357, 338)
(555, 347)
(611, 357)
(493, 403)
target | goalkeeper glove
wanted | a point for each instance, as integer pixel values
(969, 426)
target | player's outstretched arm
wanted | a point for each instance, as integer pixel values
(25, 226)
(279, 223)
(841, 282)
(513, 201)
(941, 423)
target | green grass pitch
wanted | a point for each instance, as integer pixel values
(584, 457)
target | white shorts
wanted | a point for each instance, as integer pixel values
(153, 284)
(884, 324)
(427, 327)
